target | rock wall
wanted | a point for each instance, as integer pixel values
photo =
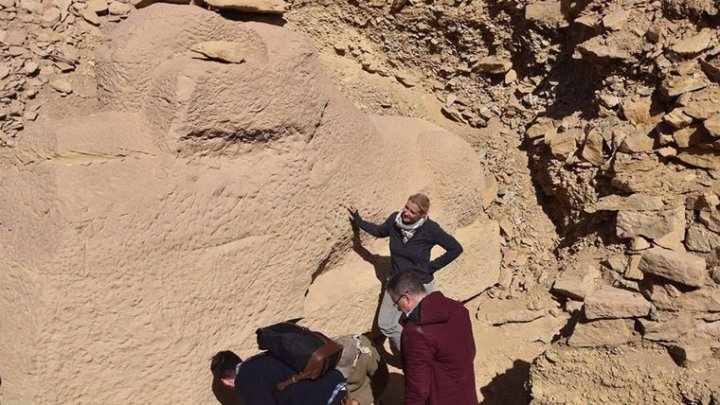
(203, 201)
(612, 103)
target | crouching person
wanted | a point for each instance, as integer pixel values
(365, 371)
(255, 381)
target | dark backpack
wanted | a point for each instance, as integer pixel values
(309, 353)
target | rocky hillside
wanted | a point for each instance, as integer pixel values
(614, 105)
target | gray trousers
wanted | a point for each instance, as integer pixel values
(389, 317)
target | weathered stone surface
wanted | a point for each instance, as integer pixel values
(693, 45)
(651, 224)
(677, 118)
(593, 148)
(712, 125)
(548, 13)
(702, 158)
(252, 6)
(595, 47)
(540, 129)
(575, 286)
(611, 303)
(563, 144)
(491, 190)
(711, 219)
(604, 332)
(61, 85)
(159, 229)
(637, 141)
(703, 202)
(633, 271)
(615, 19)
(493, 64)
(634, 202)
(667, 297)
(701, 109)
(668, 331)
(684, 268)
(700, 239)
(691, 135)
(118, 8)
(675, 86)
(225, 51)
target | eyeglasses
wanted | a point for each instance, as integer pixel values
(395, 302)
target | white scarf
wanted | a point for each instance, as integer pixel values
(408, 230)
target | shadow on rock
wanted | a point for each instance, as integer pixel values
(509, 388)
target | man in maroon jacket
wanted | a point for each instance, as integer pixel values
(438, 347)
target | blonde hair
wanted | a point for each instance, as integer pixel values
(422, 201)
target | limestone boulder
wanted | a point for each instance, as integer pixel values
(251, 6)
(603, 332)
(546, 13)
(665, 227)
(612, 303)
(202, 202)
(684, 268)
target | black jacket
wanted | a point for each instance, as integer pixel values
(415, 254)
(258, 376)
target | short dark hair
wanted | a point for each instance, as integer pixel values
(405, 282)
(223, 364)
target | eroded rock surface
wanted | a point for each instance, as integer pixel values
(201, 203)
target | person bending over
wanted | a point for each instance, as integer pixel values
(255, 381)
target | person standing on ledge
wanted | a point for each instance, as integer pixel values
(412, 236)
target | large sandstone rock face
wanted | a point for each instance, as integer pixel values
(202, 203)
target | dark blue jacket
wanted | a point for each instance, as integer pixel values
(415, 254)
(257, 377)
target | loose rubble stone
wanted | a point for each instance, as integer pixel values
(701, 109)
(690, 352)
(702, 158)
(675, 86)
(712, 125)
(63, 6)
(547, 13)
(652, 224)
(634, 202)
(684, 268)
(694, 44)
(61, 85)
(689, 136)
(118, 8)
(596, 48)
(668, 331)
(611, 303)
(633, 271)
(99, 7)
(604, 332)
(252, 6)
(677, 118)
(540, 129)
(700, 239)
(563, 144)
(4, 70)
(32, 6)
(494, 65)
(225, 51)
(710, 219)
(615, 20)
(576, 287)
(667, 297)
(593, 148)
(637, 141)
(703, 202)
(90, 16)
